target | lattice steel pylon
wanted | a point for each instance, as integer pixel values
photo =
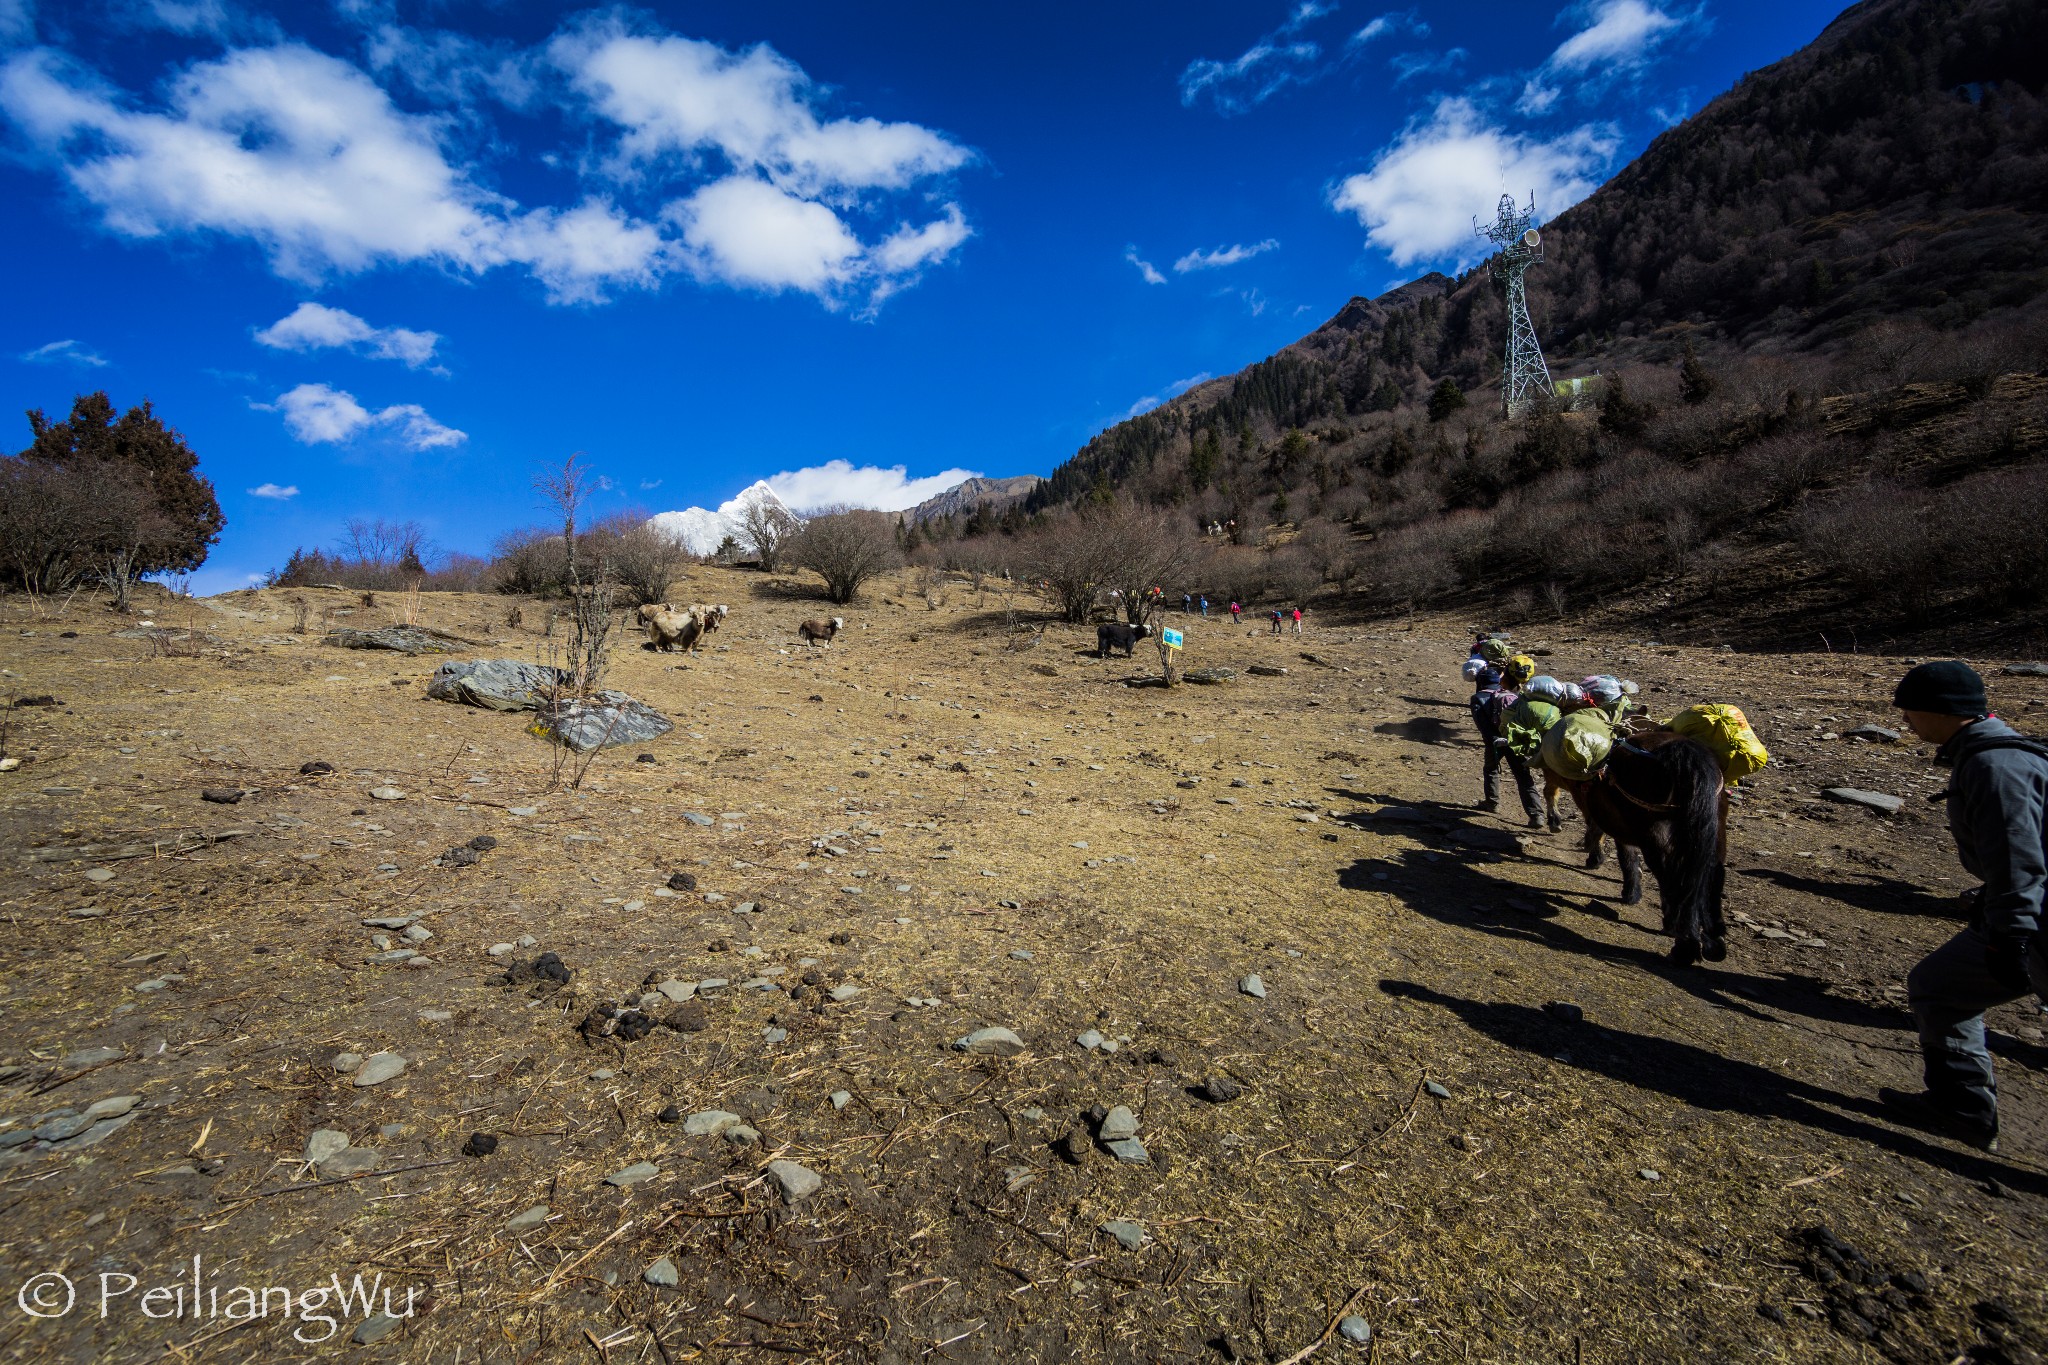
(1525, 378)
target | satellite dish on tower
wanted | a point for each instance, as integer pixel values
(1531, 237)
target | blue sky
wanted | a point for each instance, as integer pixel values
(386, 259)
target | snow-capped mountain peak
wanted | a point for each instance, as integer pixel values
(701, 531)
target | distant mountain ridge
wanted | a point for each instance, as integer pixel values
(701, 531)
(969, 494)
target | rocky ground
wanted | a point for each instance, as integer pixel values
(927, 999)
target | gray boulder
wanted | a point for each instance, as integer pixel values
(495, 684)
(602, 722)
(401, 639)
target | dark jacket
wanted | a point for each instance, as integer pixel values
(1997, 808)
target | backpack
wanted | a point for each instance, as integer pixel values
(1725, 733)
(1523, 725)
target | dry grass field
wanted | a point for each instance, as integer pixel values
(931, 834)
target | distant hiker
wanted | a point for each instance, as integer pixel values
(1205, 606)
(1236, 612)
(1186, 603)
(1997, 796)
(1492, 698)
(1274, 616)
(1297, 620)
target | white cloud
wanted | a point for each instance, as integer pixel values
(1222, 256)
(304, 155)
(1279, 59)
(275, 492)
(1146, 270)
(1173, 390)
(1418, 200)
(649, 485)
(1408, 65)
(318, 414)
(313, 326)
(746, 232)
(210, 18)
(66, 352)
(1536, 97)
(1622, 33)
(677, 98)
(307, 156)
(1389, 25)
(839, 482)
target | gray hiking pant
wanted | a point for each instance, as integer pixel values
(1949, 991)
(1525, 780)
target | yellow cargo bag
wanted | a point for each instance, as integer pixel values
(1576, 746)
(1725, 732)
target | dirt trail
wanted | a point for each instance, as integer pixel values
(969, 841)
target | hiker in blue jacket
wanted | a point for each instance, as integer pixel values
(1997, 803)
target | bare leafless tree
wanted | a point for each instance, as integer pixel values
(766, 527)
(845, 546)
(566, 489)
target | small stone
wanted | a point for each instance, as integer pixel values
(1220, 1089)
(841, 1098)
(62, 1127)
(990, 1042)
(345, 1062)
(522, 811)
(797, 1182)
(376, 1328)
(1878, 801)
(1569, 1013)
(1091, 1040)
(677, 991)
(1436, 1089)
(531, 1218)
(1129, 1236)
(1130, 1151)
(741, 1135)
(774, 1035)
(483, 843)
(1073, 1146)
(1355, 1330)
(1650, 1175)
(324, 1143)
(662, 1274)
(1875, 734)
(386, 794)
(1022, 955)
(708, 1122)
(112, 1107)
(1118, 1124)
(1252, 986)
(698, 818)
(351, 1161)
(222, 796)
(842, 994)
(379, 1068)
(99, 874)
(480, 1145)
(633, 1174)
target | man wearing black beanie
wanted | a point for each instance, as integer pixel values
(1997, 805)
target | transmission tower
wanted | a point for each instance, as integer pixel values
(1525, 378)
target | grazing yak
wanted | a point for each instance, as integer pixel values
(1116, 635)
(814, 631)
(669, 626)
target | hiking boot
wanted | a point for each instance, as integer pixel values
(1535, 822)
(1925, 1111)
(1489, 806)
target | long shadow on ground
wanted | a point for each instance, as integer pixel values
(1424, 730)
(1878, 895)
(1706, 1080)
(1450, 886)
